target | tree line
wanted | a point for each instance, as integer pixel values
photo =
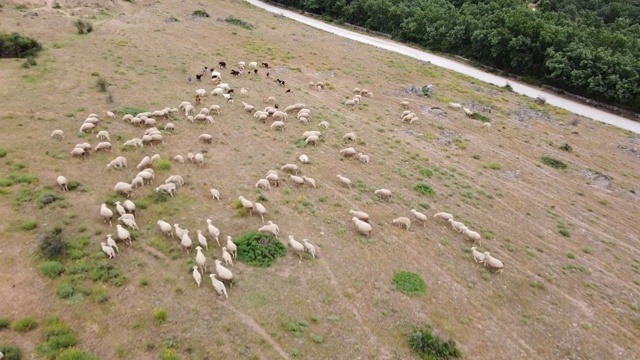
(587, 47)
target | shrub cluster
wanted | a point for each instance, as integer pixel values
(424, 189)
(430, 346)
(259, 249)
(554, 163)
(14, 45)
(408, 283)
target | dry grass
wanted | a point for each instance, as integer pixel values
(346, 296)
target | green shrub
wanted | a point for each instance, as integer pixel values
(160, 196)
(492, 166)
(408, 283)
(25, 324)
(83, 27)
(200, 13)
(3, 153)
(14, 45)
(554, 163)
(12, 179)
(102, 84)
(51, 269)
(11, 352)
(45, 198)
(160, 315)
(64, 291)
(424, 189)
(29, 225)
(566, 147)
(74, 354)
(29, 62)
(59, 342)
(235, 21)
(164, 164)
(4, 323)
(430, 347)
(426, 172)
(108, 273)
(480, 117)
(51, 245)
(130, 110)
(571, 255)
(259, 249)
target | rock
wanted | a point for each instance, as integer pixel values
(171, 19)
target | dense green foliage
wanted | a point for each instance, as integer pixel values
(51, 245)
(431, 347)
(14, 45)
(25, 324)
(424, 189)
(554, 163)
(259, 249)
(11, 352)
(591, 47)
(408, 283)
(59, 343)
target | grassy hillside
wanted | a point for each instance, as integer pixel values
(567, 236)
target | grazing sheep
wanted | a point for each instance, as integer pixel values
(224, 273)
(246, 204)
(57, 134)
(443, 216)
(350, 102)
(120, 209)
(420, 217)
(179, 231)
(455, 105)
(273, 179)
(324, 124)
(270, 228)
(111, 115)
(137, 181)
(124, 188)
(477, 255)
(179, 159)
(306, 134)
(226, 256)
(202, 240)
(468, 112)
(123, 234)
(146, 161)
(402, 222)
(213, 231)
(103, 146)
(196, 275)
(260, 210)
(103, 135)
(277, 125)
(108, 250)
(117, 163)
(363, 158)
(218, 286)
(292, 168)
(175, 179)
(309, 248)
(79, 152)
(106, 213)
(129, 220)
(360, 215)
(350, 136)
(185, 241)
(296, 246)
(312, 139)
(472, 235)
(201, 92)
(263, 184)
(383, 193)
(205, 138)
(87, 127)
(363, 227)
(112, 243)
(62, 182)
(344, 180)
(348, 152)
(169, 188)
(457, 226)
(215, 194)
(492, 262)
(136, 142)
(129, 206)
(165, 227)
(231, 247)
(297, 180)
(404, 104)
(309, 181)
(201, 260)
(486, 126)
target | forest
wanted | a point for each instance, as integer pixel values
(587, 47)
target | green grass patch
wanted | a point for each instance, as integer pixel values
(426, 172)
(259, 249)
(408, 283)
(480, 117)
(11, 352)
(24, 325)
(492, 166)
(45, 198)
(554, 163)
(164, 164)
(28, 225)
(64, 291)
(129, 110)
(236, 21)
(51, 246)
(200, 13)
(51, 269)
(13, 179)
(4, 323)
(424, 189)
(431, 347)
(14, 45)
(562, 229)
(58, 340)
(160, 315)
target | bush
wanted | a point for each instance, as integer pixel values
(108, 273)
(84, 27)
(64, 291)
(59, 342)
(164, 164)
(160, 315)
(160, 196)
(28, 225)
(25, 324)
(51, 246)
(11, 352)
(259, 249)
(74, 354)
(430, 346)
(72, 185)
(4, 323)
(492, 166)
(3, 153)
(31, 61)
(200, 13)
(424, 189)
(51, 269)
(102, 84)
(480, 117)
(46, 198)
(15, 45)
(554, 163)
(408, 283)
(566, 147)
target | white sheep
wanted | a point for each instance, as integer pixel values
(324, 124)
(201, 92)
(486, 126)
(108, 250)
(123, 234)
(165, 227)
(404, 104)
(129, 206)
(146, 161)
(402, 222)
(361, 215)
(383, 193)
(57, 134)
(169, 188)
(363, 158)
(124, 188)
(185, 241)
(129, 220)
(213, 231)
(363, 227)
(263, 184)
(350, 102)
(306, 134)
(196, 275)
(112, 243)
(297, 180)
(492, 262)
(350, 136)
(79, 152)
(420, 217)
(106, 213)
(260, 210)
(202, 240)
(103, 146)
(348, 152)
(344, 181)
(179, 159)
(457, 226)
(117, 163)
(111, 115)
(296, 246)
(224, 273)
(226, 256)
(232, 248)
(103, 135)
(244, 91)
(273, 179)
(218, 286)
(312, 139)
(472, 235)
(201, 260)
(136, 142)
(215, 108)
(176, 179)
(292, 168)
(477, 255)
(205, 138)
(468, 112)
(179, 230)
(308, 247)
(246, 204)
(455, 105)
(443, 216)
(310, 181)
(277, 125)
(270, 228)
(215, 194)
(120, 209)
(281, 115)
(62, 182)
(87, 127)
(146, 176)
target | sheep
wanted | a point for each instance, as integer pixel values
(146, 161)
(324, 124)
(179, 159)
(215, 108)
(478, 257)
(179, 231)
(308, 247)
(457, 226)
(244, 91)
(106, 213)
(205, 138)
(103, 146)
(383, 193)
(117, 163)
(202, 240)
(296, 246)
(226, 256)
(363, 158)
(280, 115)
(223, 272)
(307, 134)
(128, 117)
(129, 206)
(404, 104)
(270, 99)
(169, 127)
(147, 177)
(273, 179)
(363, 227)
(217, 92)
(215, 194)
(137, 142)
(112, 243)
(176, 179)
(309, 181)
(62, 182)
(420, 217)
(79, 152)
(57, 134)
(124, 188)
(86, 127)
(455, 105)
(120, 209)
(356, 100)
(228, 98)
(348, 152)
(123, 234)
(350, 102)
(472, 235)
(312, 139)
(277, 125)
(185, 242)
(270, 228)
(108, 250)
(292, 168)
(129, 220)
(165, 227)
(344, 180)
(486, 126)
(218, 286)
(111, 115)
(248, 205)
(468, 112)
(201, 92)
(263, 184)
(360, 215)
(196, 275)
(402, 221)
(297, 180)
(260, 210)
(201, 260)
(443, 215)
(492, 262)
(213, 231)
(357, 90)
(169, 188)
(241, 65)
(249, 108)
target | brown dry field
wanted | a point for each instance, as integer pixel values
(544, 305)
